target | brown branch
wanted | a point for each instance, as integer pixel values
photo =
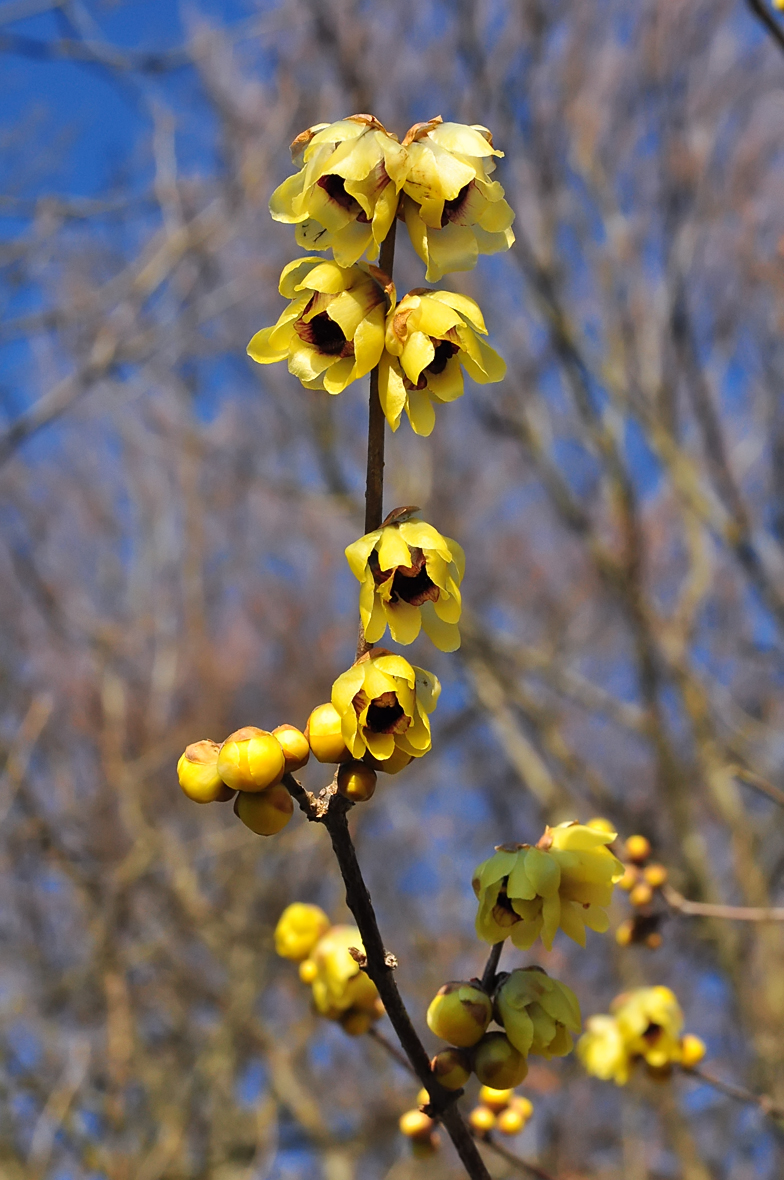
(765, 18)
(374, 486)
(739, 1093)
(491, 967)
(703, 909)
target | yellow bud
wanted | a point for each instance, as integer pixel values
(308, 971)
(357, 1021)
(511, 1121)
(415, 1124)
(197, 771)
(294, 745)
(655, 875)
(423, 1098)
(482, 1120)
(630, 878)
(459, 1013)
(299, 928)
(398, 761)
(601, 825)
(642, 894)
(625, 932)
(356, 781)
(497, 1100)
(497, 1063)
(422, 1148)
(324, 734)
(251, 760)
(524, 1105)
(265, 812)
(692, 1050)
(452, 1068)
(638, 848)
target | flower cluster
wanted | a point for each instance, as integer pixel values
(341, 990)
(500, 1110)
(642, 879)
(645, 1025)
(354, 178)
(564, 881)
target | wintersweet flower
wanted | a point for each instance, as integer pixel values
(340, 987)
(538, 1013)
(602, 1050)
(410, 577)
(332, 331)
(299, 928)
(431, 337)
(564, 881)
(345, 194)
(384, 702)
(650, 1021)
(453, 210)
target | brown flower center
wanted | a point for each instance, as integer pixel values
(335, 188)
(453, 208)
(385, 714)
(411, 583)
(325, 335)
(503, 913)
(652, 1033)
(445, 350)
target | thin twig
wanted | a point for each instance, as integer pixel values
(703, 909)
(766, 18)
(739, 1093)
(491, 967)
(751, 779)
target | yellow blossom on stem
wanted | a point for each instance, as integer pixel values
(345, 195)
(299, 928)
(410, 577)
(565, 881)
(431, 337)
(650, 1021)
(538, 1013)
(453, 210)
(383, 703)
(341, 989)
(332, 331)
(602, 1050)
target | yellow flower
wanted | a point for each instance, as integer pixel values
(602, 1050)
(650, 1021)
(431, 336)
(345, 195)
(565, 881)
(459, 1013)
(339, 985)
(538, 1013)
(453, 210)
(410, 578)
(383, 703)
(299, 928)
(332, 331)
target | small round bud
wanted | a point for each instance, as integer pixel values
(655, 875)
(308, 971)
(482, 1120)
(511, 1121)
(397, 761)
(693, 1049)
(264, 812)
(459, 1013)
(415, 1124)
(299, 928)
(356, 781)
(452, 1068)
(251, 760)
(631, 876)
(324, 734)
(638, 849)
(599, 824)
(294, 745)
(523, 1104)
(197, 771)
(641, 895)
(497, 1100)
(654, 940)
(624, 935)
(497, 1063)
(422, 1098)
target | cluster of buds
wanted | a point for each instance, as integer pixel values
(642, 879)
(644, 1025)
(247, 767)
(343, 317)
(500, 1110)
(420, 1130)
(536, 1014)
(329, 961)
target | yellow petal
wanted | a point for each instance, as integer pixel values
(351, 242)
(467, 308)
(306, 363)
(447, 386)
(420, 412)
(392, 549)
(448, 609)
(450, 249)
(369, 342)
(391, 390)
(404, 622)
(543, 871)
(377, 623)
(384, 212)
(312, 235)
(340, 375)
(293, 273)
(418, 353)
(261, 350)
(381, 745)
(428, 689)
(417, 230)
(571, 921)
(446, 636)
(357, 554)
(459, 137)
(327, 277)
(346, 688)
(552, 917)
(434, 318)
(281, 201)
(497, 217)
(493, 367)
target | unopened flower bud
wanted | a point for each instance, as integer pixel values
(197, 771)
(251, 760)
(638, 849)
(356, 781)
(265, 812)
(482, 1120)
(324, 735)
(512, 1120)
(459, 1013)
(452, 1068)
(308, 971)
(641, 895)
(693, 1049)
(497, 1100)
(294, 745)
(624, 935)
(299, 928)
(601, 825)
(422, 1098)
(415, 1124)
(497, 1063)
(631, 876)
(655, 875)
(396, 762)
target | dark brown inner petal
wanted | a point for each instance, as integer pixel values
(335, 188)
(453, 208)
(325, 335)
(445, 350)
(652, 1033)
(503, 913)
(386, 715)
(411, 583)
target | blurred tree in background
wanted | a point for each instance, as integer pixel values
(171, 567)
